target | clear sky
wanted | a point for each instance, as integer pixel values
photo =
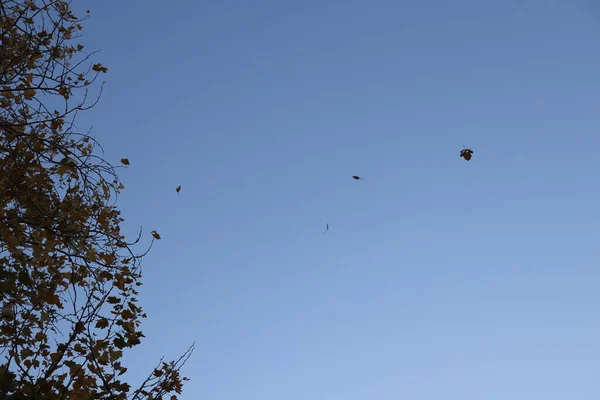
(439, 278)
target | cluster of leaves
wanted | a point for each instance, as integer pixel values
(68, 277)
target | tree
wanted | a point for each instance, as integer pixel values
(68, 277)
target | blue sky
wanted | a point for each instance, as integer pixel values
(439, 278)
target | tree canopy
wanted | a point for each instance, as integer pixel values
(68, 276)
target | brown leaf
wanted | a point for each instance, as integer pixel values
(99, 68)
(102, 323)
(79, 327)
(74, 369)
(55, 357)
(466, 154)
(124, 161)
(178, 188)
(155, 235)
(28, 94)
(26, 353)
(8, 312)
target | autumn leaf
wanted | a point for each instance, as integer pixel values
(99, 68)
(74, 369)
(55, 357)
(105, 275)
(28, 94)
(102, 323)
(178, 188)
(52, 299)
(155, 235)
(103, 359)
(466, 154)
(79, 327)
(129, 327)
(124, 161)
(8, 312)
(25, 353)
(119, 342)
(24, 278)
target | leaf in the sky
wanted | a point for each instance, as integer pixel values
(155, 235)
(124, 161)
(466, 154)
(178, 188)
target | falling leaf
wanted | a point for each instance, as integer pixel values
(155, 235)
(356, 177)
(466, 154)
(124, 161)
(178, 188)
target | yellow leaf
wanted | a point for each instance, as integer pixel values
(124, 161)
(155, 235)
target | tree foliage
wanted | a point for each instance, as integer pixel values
(68, 277)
